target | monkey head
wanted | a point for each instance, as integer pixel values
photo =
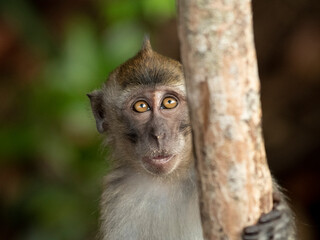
(142, 109)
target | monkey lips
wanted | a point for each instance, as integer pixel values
(160, 164)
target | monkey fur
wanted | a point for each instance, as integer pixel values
(150, 192)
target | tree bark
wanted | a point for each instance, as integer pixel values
(223, 91)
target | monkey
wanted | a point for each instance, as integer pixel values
(151, 192)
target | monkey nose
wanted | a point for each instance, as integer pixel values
(158, 135)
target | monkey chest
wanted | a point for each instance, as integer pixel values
(157, 215)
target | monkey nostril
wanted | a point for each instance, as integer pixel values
(158, 136)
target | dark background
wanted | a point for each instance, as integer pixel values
(53, 52)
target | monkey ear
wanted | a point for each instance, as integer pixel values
(96, 100)
(146, 46)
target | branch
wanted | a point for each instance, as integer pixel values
(222, 83)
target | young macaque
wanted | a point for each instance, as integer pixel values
(150, 191)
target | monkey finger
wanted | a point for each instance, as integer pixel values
(250, 237)
(259, 227)
(251, 230)
(263, 234)
(271, 216)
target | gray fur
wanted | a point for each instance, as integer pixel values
(141, 207)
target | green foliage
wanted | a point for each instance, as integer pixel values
(152, 11)
(51, 160)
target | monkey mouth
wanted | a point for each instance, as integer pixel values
(158, 160)
(159, 164)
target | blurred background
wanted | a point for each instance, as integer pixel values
(53, 52)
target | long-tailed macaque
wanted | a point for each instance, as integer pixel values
(150, 192)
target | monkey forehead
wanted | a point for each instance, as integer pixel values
(149, 68)
(179, 88)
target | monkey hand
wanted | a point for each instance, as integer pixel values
(278, 224)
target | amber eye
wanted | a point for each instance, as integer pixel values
(141, 106)
(169, 102)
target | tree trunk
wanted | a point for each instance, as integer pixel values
(222, 82)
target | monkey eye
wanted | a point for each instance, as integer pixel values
(141, 106)
(169, 102)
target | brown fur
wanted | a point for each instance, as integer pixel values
(148, 68)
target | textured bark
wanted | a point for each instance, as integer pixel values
(222, 83)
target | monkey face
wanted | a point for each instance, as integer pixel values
(157, 128)
(142, 109)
